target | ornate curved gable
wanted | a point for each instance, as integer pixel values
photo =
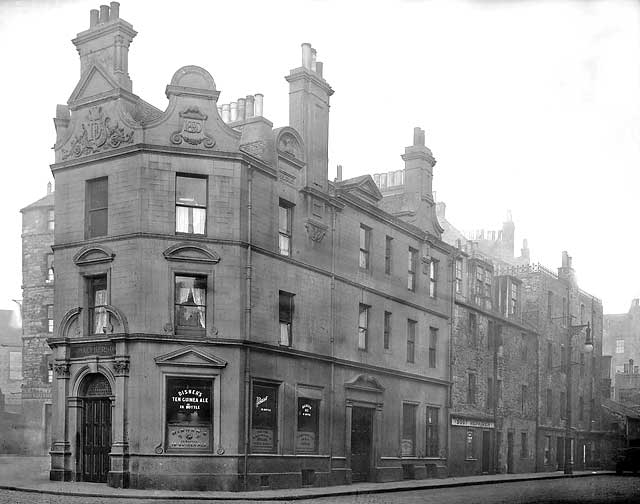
(93, 254)
(191, 252)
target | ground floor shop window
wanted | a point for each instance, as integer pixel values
(433, 444)
(308, 425)
(264, 418)
(189, 414)
(408, 430)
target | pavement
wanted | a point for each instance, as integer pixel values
(31, 474)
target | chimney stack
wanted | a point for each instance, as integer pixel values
(106, 43)
(339, 173)
(309, 114)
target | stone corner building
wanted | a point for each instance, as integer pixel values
(225, 317)
(38, 222)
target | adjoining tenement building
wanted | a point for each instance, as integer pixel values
(493, 356)
(560, 311)
(226, 317)
(38, 222)
(622, 342)
(533, 308)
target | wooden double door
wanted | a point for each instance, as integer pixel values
(96, 430)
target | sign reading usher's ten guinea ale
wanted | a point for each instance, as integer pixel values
(189, 413)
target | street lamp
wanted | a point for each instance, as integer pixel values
(572, 330)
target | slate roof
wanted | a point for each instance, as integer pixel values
(47, 201)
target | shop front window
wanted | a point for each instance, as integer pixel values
(308, 425)
(264, 418)
(189, 414)
(409, 430)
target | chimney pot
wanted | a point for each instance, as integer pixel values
(319, 67)
(233, 111)
(249, 107)
(48, 187)
(339, 173)
(306, 55)
(313, 59)
(259, 102)
(104, 14)
(225, 112)
(418, 137)
(115, 11)
(242, 109)
(93, 17)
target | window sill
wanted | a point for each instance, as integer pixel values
(184, 233)
(470, 459)
(190, 332)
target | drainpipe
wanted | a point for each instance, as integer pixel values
(452, 290)
(247, 330)
(496, 448)
(537, 442)
(332, 336)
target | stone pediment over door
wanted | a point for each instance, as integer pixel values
(364, 388)
(365, 382)
(190, 356)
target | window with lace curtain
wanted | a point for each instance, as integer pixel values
(190, 303)
(191, 204)
(98, 315)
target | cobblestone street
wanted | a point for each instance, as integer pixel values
(590, 490)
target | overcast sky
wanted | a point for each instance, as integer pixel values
(528, 106)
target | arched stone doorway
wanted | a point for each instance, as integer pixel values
(95, 428)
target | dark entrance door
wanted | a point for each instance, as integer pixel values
(96, 430)
(510, 467)
(361, 440)
(486, 451)
(47, 428)
(560, 452)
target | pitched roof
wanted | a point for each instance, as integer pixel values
(622, 409)
(46, 201)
